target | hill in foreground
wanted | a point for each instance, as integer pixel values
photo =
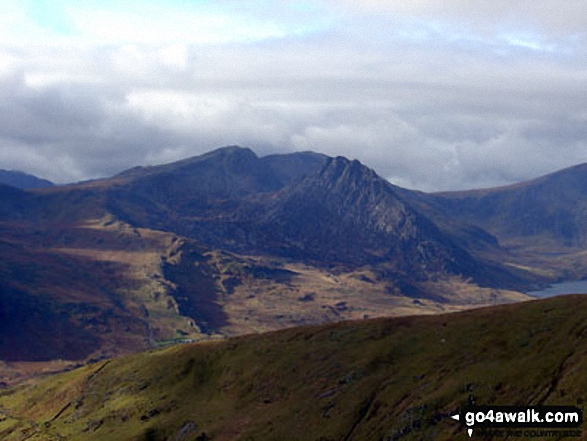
(382, 379)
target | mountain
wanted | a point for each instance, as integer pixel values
(325, 211)
(20, 179)
(384, 379)
(304, 207)
(229, 243)
(14, 201)
(539, 224)
(554, 205)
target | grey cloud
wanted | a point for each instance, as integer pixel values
(425, 112)
(567, 128)
(46, 115)
(70, 131)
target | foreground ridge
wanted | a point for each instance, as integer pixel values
(400, 378)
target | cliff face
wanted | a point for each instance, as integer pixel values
(346, 213)
(301, 206)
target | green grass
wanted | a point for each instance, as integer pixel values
(373, 380)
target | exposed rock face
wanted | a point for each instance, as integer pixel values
(324, 210)
(346, 213)
(239, 226)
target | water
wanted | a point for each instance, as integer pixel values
(556, 289)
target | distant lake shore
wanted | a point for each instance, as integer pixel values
(557, 289)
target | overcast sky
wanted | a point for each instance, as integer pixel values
(432, 95)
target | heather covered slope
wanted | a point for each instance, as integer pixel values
(384, 379)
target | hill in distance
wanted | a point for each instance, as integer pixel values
(323, 211)
(539, 224)
(383, 379)
(20, 179)
(229, 243)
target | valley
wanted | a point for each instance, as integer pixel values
(293, 221)
(381, 379)
(229, 243)
(114, 289)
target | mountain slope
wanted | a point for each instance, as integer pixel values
(554, 205)
(540, 225)
(222, 244)
(346, 213)
(225, 173)
(325, 211)
(20, 179)
(85, 290)
(386, 379)
(13, 201)
(88, 290)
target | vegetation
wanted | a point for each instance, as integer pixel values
(381, 379)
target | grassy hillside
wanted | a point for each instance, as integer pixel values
(383, 379)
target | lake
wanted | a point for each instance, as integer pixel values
(556, 289)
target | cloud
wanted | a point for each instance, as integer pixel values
(433, 98)
(488, 17)
(70, 131)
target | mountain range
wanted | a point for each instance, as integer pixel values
(230, 243)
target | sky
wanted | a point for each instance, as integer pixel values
(433, 96)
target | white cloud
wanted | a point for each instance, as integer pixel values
(174, 56)
(163, 25)
(463, 95)
(560, 18)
